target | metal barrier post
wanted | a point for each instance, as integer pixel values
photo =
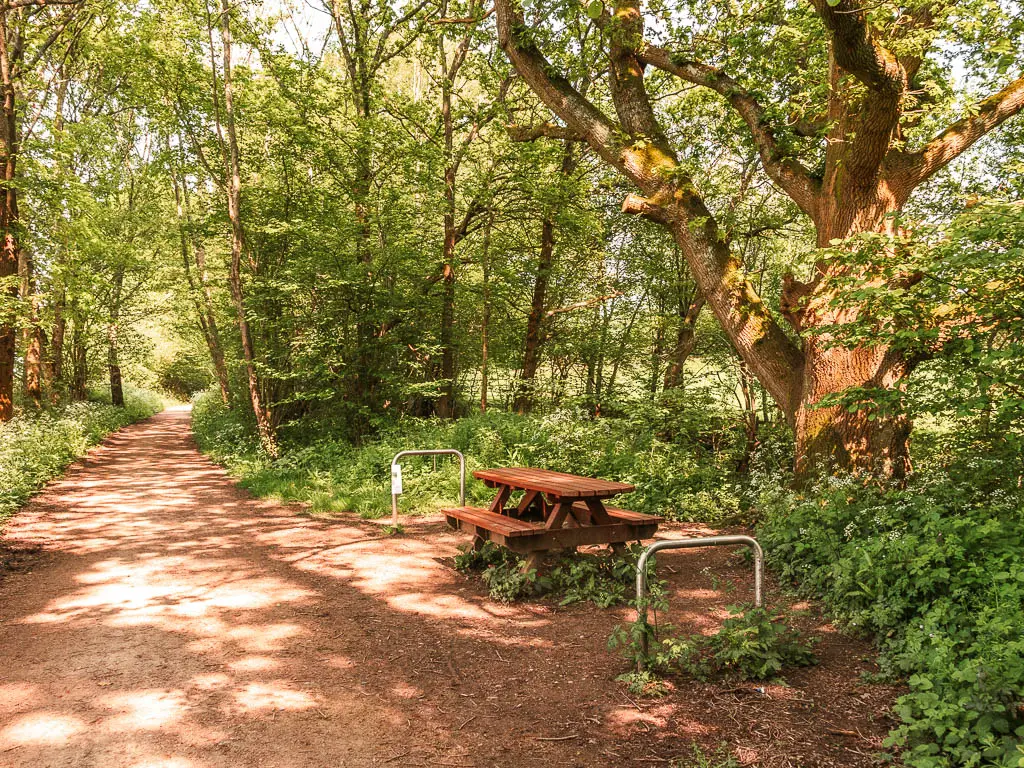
(708, 541)
(396, 475)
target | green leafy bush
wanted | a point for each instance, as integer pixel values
(602, 579)
(36, 447)
(754, 644)
(508, 582)
(935, 573)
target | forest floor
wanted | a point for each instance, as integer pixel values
(153, 614)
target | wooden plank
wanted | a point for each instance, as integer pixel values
(597, 512)
(482, 518)
(558, 484)
(561, 538)
(618, 515)
(528, 498)
(557, 517)
(498, 505)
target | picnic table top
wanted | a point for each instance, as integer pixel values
(559, 484)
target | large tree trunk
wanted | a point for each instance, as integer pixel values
(869, 439)
(867, 173)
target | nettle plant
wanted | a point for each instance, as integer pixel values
(752, 644)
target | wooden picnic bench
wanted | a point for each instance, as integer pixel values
(556, 511)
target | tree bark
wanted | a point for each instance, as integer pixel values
(34, 336)
(199, 285)
(55, 362)
(264, 422)
(79, 362)
(686, 340)
(113, 356)
(11, 54)
(453, 234)
(485, 321)
(748, 404)
(535, 331)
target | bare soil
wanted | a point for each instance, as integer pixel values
(154, 615)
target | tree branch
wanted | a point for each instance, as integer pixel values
(795, 180)
(552, 87)
(958, 137)
(542, 130)
(856, 50)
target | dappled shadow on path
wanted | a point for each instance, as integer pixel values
(172, 621)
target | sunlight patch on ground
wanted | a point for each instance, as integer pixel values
(41, 728)
(253, 664)
(276, 694)
(145, 710)
(162, 590)
(623, 719)
(167, 762)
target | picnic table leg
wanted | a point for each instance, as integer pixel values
(498, 505)
(558, 515)
(529, 499)
(598, 512)
(533, 562)
(478, 540)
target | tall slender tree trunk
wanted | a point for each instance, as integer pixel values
(54, 358)
(113, 356)
(485, 321)
(199, 285)
(535, 331)
(685, 341)
(445, 405)
(79, 361)
(55, 361)
(748, 403)
(34, 336)
(11, 54)
(264, 423)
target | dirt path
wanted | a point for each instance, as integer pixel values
(155, 616)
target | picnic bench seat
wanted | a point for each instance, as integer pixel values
(523, 536)
(625, 515)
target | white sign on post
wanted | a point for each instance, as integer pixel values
(396, 479)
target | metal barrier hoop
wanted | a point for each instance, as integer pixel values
(708, 541)
(396, 476)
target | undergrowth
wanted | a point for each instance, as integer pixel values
(602, 579)
(35, 447)
(934, 573)
(682, 464)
